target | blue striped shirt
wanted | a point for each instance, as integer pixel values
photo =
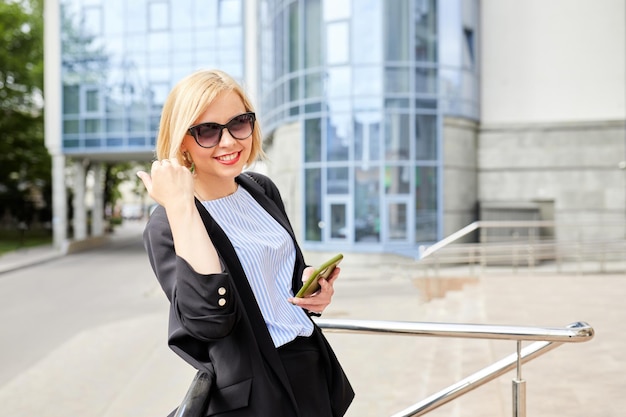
(267, 254)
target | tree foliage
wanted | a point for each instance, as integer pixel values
(24, 160)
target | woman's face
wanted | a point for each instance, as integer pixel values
(227, 159)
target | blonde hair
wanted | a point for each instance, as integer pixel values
(189, 98)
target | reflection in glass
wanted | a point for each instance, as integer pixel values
(367, 208)
(425, 137)
(367, 81)
(93, 126)
(337, 43)
(397, 137)
(312, 34)
(337, 180)
(397, 221)
(338, 137)
(313, 209)
(425, 204)
(336, 9)
(367, 37)
(158, 15)
(339, 82)
(312, 140)
(397, 30)
(367, 137)
(397, 80)
(425, 30)
(71, 100)
(426, 80)
(397, 179)
(338, 221)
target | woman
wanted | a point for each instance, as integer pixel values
(222, 248)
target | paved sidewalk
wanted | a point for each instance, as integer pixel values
(388, 372)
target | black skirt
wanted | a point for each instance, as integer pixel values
(302, 361)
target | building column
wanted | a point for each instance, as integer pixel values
(59, 202)
(97, 212)
(80, 208)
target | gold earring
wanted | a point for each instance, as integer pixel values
(189, 162)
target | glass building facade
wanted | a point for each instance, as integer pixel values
(367, 81)
(364, 79)
(121, 58)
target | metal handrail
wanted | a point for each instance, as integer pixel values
(546, 339)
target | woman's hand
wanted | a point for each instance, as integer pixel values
(169, 182)
(318, 301)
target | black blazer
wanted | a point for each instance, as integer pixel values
(216, 325)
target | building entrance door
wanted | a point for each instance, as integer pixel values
(338, 219)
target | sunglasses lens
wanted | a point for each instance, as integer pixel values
(208, 134)
(241, 126)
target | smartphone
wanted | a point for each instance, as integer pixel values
(323, 271)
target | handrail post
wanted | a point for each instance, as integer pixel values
(519, 387)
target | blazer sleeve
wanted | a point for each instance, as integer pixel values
(203, 306)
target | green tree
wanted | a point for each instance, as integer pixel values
(24, 160)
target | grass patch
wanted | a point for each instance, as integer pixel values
(11, 240)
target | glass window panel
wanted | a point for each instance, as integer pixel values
(367, 207)
(397, 80)
(71, 143)
(425, 204)
(136, 9)
(294, 89)
(397, 103)
(426, 137)
(113, 25)
(93, 126)
(159, 47)
(338, 221)
(313, 140)
(397, 139)
(92, 101)
(397, 14)
(71, 99)
(426, 80)
(337, 43)
(425, 30)
(92, 20)
(367, 32)
(294, 37)
(313, 208)
(337, 180)
(397, 221)
(71, 127)
(313, 85)
(115, 125)
(427, 104)
(367, 81)
(230, 12)
(339, 82)
(338, 137)
(182, 15)
(366, 136)
(138, 123)
(158, 15)
(397, 179)
(93, 143)
(336, 9)
(312, 34)
(313, 107)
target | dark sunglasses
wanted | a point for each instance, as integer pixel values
(209, 134)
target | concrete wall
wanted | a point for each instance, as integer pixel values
(460, 183)
(574, 165)
(552, 60)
